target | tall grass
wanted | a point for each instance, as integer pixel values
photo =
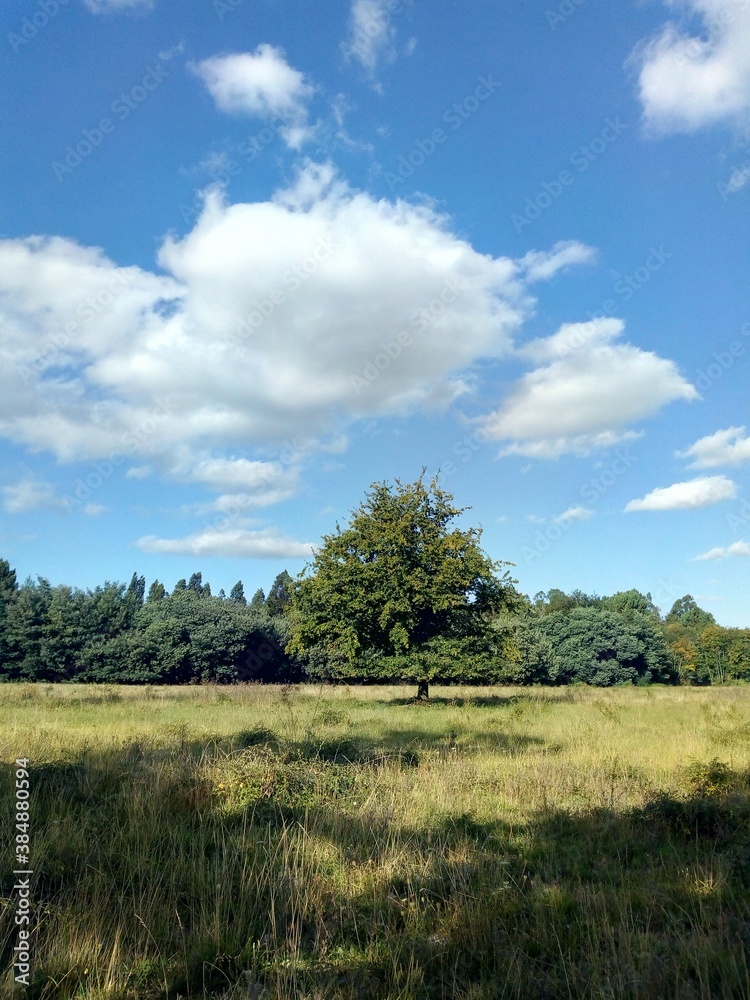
(266, 842)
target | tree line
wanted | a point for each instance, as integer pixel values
(398, 595)
(122, 634)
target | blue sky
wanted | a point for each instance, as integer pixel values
(253, 259)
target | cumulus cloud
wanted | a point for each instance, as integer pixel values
(30, 494)
(573, 339)
(585, 393)
(234, 543)
(261, 84)
(288, 320)
(372, 36)
(696, 493)
(736, 549)
(687, 80)
(270, 322)
(725, 447)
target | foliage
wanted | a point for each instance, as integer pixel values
(8, 582)
(604, 648)
(198, 587)
(724, 653)
(388, 592)
(527, 654)
(280, 594)
(258, 600)
(688, 614)
(557, 600)
(156, 592)
(26, 636)
(110, 635)
(631, 603)
(702, 651)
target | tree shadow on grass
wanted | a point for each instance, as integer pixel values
(476, 701)
(446, 701)
(403, 743)
(650, 902)
(647, 902)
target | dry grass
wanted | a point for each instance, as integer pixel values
(332, 842)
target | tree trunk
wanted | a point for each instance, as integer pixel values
(423, 691)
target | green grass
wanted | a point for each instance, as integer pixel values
(266, 842)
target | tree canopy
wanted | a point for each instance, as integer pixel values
(686, 612)
(280, 594)
(603, 647)
(384, 595)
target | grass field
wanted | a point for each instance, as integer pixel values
(263, 842)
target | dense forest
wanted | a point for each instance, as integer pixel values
(396, 596)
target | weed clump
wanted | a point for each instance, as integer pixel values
(713, 778)
(259, 736)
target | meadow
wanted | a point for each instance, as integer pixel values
(343, 842)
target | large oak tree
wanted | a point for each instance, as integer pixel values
(396, 593)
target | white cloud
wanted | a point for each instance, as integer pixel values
(235, 543)
(256, 484)
(573, 339)
(736, 549)
(105, 6)
(231, 504)
(541, 266)
(216, 165)
(261, 84)
(236, 504)
(138, 472)
(30, 494)
(94, 509)
(737, 179)
(271, 322)
(725, 447)
(701, 492)
(580, 445)
(717, 553)
(585, 396)
(574, 514)
(372, 35)
(688, 81)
